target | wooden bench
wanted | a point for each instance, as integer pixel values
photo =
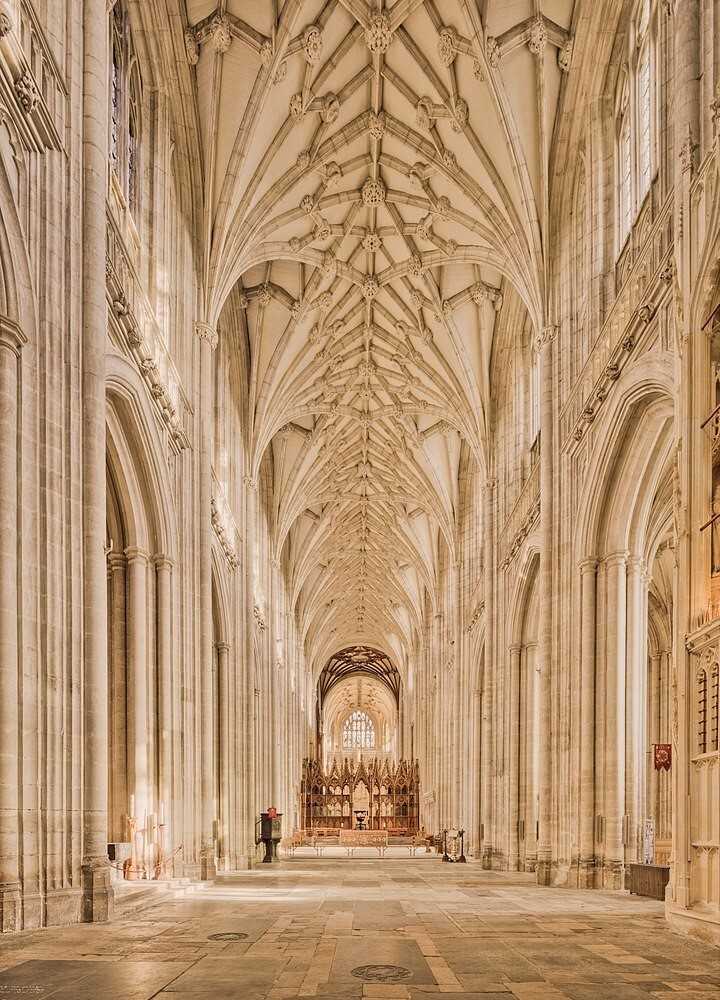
(350, 839)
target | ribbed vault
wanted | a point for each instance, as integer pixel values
(376, 192)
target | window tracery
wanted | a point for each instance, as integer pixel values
(636, 158)
(125, 108)
(581, 266)
(358, 732)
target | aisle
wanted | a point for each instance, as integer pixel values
(394, 928)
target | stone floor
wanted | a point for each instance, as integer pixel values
(342, 929)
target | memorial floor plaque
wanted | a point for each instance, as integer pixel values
(382, 973)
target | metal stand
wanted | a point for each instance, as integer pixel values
(446, 856)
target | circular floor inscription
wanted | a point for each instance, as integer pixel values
(382, 973)
(227, 936)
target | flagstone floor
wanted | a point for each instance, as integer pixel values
(342, 929)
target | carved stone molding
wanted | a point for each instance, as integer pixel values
(27, 92)
(220, 34)
(207, 334)
(6, 23)
(377, 34)
(11, 336)
(687, 151)
(222, 534)
(545, 338)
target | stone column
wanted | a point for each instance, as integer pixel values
(97, 893)
(248, 693)
(653, 800)
(532, 741)
(544, 347)
(223, 688)
(137, 682)
(588, 578)
(616, 624)
(636, 705)
(163, 571)
(691, 490)
(207, 338)
(486, 761)
(118, 700)
(514, 758)
(11, 341)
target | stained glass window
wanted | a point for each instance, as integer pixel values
(358, 732)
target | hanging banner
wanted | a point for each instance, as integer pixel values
(662, 756)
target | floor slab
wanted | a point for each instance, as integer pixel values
(357, 928)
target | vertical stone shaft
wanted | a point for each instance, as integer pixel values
(615, 720)
(11, 341)
(588, 576)
(207, 342)
(118, 704)
(514, 758)
(486, 763)
(223, 686)
(547, 741)
(138, 730)
(97, 892)
(690, 575)
(163, 570)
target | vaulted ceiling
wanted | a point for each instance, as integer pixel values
(376, 188)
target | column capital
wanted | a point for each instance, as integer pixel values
(222, 647)
(116, 560)
(636, 564)
(11, 336)
(515, 649)
(617, 558)
(163, 562)
(207, 333)
(135, 554)
(588, 566)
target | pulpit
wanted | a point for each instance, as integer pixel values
(270, 834)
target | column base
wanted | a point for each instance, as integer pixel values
(613, 875)
(63, 907)
(543, 872)
(11, 916)
(487, 857)
(98, 894)
(243, 863)
(587, 874)
(208, 866)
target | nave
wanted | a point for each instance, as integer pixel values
(394, 928)
(360, 474)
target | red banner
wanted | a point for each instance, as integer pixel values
(662, 756)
